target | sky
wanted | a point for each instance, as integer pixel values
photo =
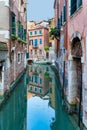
(38, 10)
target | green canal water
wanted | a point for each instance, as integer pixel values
(35, 103)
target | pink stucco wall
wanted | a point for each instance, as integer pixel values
(45, 39)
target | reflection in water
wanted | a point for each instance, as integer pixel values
(13, 113)
(38, 79)
(44, 108)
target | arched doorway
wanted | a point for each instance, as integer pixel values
(75, 71)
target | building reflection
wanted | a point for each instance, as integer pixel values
(13, 113)
(39, 78)
(42, 84)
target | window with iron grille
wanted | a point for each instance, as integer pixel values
(75, 4)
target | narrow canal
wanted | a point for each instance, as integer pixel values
(35, 103)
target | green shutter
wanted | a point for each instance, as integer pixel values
(61, 19)
(58, 22)
(79, 3)
(64, 13)
(73, 6)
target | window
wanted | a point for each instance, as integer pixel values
(35, 89)
(19, 29)
(22, 2)
(35, 32)
(61, 20)
(64, 13)
(40, 41)
(27, 55)
(35, 51)
(40, 31)
(24, 37)
(31, 51)
(19, 57)
(35, 77)
(58, 22)
(40, 51)
(30, 33)
(75, 4)
(31, 42)
(35, 44)
(47, 68)
(30, 87)
(40, 81)
(22, 31)
(13, 24)
(40, 89)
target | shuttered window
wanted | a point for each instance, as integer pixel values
(58, 22)
(79, 3)
(13, 24)
(75, 4)
(61, 20)
(64, 9)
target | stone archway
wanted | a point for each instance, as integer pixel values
(75, 70)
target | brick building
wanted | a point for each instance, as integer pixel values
(12, 40)
(71, 60)
(38, 36)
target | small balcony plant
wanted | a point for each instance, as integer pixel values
(55, 33)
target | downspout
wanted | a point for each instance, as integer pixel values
(79, 114)
(63, 95)
(10, 31)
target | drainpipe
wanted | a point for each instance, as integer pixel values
(63, 76)
(79, 114)
(64, 57)
(10, 31)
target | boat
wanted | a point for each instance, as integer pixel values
(29, 61)
(42, 62)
